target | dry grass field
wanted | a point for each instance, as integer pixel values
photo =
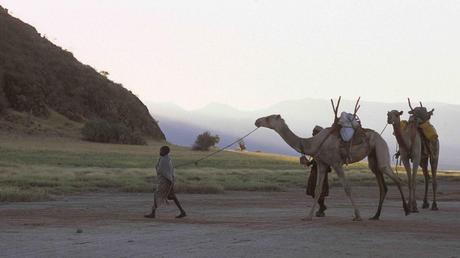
(34, 169)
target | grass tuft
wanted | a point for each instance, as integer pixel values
(199, 188)
(15, 194)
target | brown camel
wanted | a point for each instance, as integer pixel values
(412, 147)
(325, 147)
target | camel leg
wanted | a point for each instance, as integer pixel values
(381, 182)
(346, 186)
(424, 165)
(389, 172)
(406, 164)
(434, 170)
(415, 164)
(383, 160)
(321, 174)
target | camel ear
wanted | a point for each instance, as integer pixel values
(401, 112)
(431, 112)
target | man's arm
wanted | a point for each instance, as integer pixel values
(304, 161)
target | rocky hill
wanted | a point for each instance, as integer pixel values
(42, 80)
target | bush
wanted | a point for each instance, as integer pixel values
(242, 145)
(103, 131)
(205, 141)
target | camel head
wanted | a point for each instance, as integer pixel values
(272, 122)
(394, 116)
(421, 113)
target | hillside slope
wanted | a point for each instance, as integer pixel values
(39, 78)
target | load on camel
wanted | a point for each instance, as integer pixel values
(328, 149)
(418, 143)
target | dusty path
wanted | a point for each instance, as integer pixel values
(234, 224)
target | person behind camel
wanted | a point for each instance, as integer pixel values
(311, 182)
(165, 184)
(325, 147)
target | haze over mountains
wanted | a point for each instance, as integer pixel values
(182, 126)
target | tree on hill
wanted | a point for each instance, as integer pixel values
(205, 141)
(104, 73)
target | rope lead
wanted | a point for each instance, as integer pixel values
(215, 152)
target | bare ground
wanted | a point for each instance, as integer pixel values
(234, 224)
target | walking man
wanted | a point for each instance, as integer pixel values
(165, 184)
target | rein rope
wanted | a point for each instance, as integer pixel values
(384, 129)
(333, 128)
(397, 160)
(217, 151)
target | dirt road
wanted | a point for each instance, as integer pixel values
(234, 224)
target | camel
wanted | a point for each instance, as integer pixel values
(411, 148)
(325, 147)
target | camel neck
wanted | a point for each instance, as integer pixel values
(301, 145)
(399, 136)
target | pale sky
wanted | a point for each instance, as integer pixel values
(251, 54)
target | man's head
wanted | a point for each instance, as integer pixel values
(164, 151)
(316, 130)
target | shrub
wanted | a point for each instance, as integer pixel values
(242, 145)
(205, 141)
(103, 131)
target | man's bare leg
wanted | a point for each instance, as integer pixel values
(182, 212)
(152, 214)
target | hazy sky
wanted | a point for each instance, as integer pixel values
(251, 54)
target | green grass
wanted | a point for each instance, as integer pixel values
(35, 169)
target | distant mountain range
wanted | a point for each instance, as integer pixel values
(181, 126)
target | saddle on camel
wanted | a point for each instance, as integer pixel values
(421, 118)
(348, 126)
(352, 134)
